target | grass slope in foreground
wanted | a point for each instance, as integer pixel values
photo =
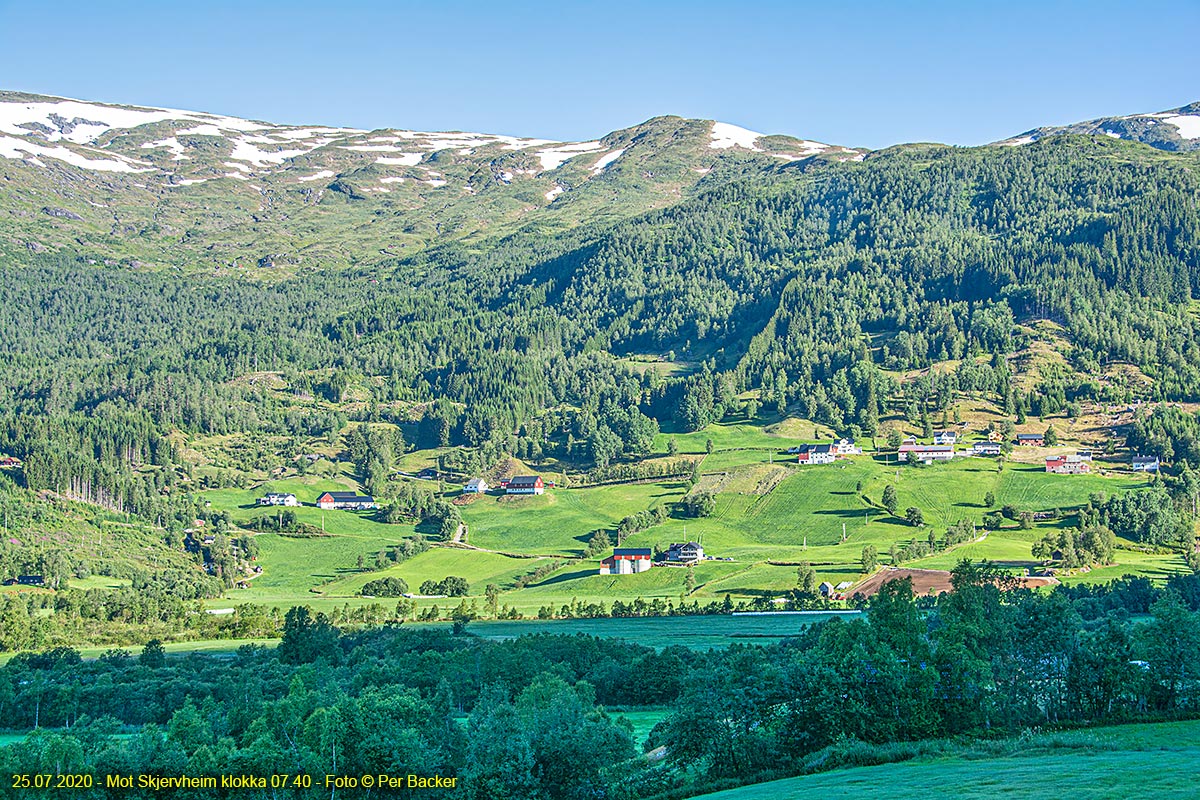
(1152, 760)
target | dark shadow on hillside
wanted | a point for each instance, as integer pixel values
(584, 538)
(568, 576)
(858, 513)
(553, 275)
(899, 522)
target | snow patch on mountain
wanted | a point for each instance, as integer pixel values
(75, 121)
(325, 173)
(311, 133)
(243, 150)
(554, 157)
(605, 160)
(172, 144)
(1188, 125)
(18, 148)
(725, 136)
(373, 148)
(404, 159)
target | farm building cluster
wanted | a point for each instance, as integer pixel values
(632, 560)
(349, 501)
(944, 448)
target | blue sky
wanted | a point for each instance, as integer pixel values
(871, 74)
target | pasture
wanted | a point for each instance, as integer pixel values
(1153, 760)
(770, 514)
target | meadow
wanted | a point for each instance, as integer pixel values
(771, 513)
(1150, 760)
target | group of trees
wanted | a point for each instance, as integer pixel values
(1075, 547)
(983, 660)
(450, 586)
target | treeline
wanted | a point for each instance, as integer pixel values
(980, 661)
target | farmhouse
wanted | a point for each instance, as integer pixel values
(475, 486)
(1146, 464)
(1031, 439)
(846, 447)
(1084, 455)
(9, 461)
(278, 499)
(627, 561)
(1067, 465)
(526, 484)
(687, 553)
(26, 580)
(986, 448)
(927, 453)
(816, 454)
(945, 437)
(826, 589)
(346, 500)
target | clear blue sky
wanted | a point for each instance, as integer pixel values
(871, 74)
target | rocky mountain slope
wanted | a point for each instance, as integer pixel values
(164, 187)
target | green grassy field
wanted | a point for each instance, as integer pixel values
(558, 522)
(216, 646)
(720, 630)
(1156, 760)
(642, 721)
(768, 509)
(728, 435)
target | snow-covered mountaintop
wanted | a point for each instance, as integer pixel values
(1176, 129)
(128, 183)
(116, 138)
(86, 135)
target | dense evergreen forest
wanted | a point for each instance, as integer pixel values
(539, 716)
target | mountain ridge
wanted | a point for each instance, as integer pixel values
(1176, 129)
(127, 182)
(170, 188)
